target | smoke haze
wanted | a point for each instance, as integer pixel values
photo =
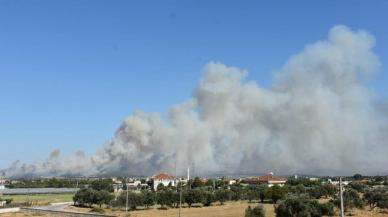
(317, 117)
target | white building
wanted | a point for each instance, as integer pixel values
(2, 183)
(337, 182)
(164, 179)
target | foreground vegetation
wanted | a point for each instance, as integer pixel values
(296, 199)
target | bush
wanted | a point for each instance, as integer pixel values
(258, 211)
(327, 209)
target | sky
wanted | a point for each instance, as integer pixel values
(71, 71)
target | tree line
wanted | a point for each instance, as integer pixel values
(296, 199)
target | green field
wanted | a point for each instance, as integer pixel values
(40, 198)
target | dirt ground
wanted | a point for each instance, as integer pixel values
(230, 209)
(21, 214)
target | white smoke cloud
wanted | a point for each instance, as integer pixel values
(317, 117)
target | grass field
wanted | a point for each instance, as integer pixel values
(40, 199)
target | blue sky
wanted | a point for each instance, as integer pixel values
(71, 71)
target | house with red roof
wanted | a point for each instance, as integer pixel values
(165, 179)
(269, 179)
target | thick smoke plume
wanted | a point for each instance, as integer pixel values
(317, 117)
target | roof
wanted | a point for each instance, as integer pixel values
(270, 178)
(163, 176)
(266, 178)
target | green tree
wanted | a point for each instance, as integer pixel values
(148, 198)
(302, 207)
(262, 190)
(351, 200)
(358, 186)
(197, 183)
(84, 197)
(257, 211)
(194, 196)
(275, 193)
(252, 194)
(161, 187)
(357, 176)
(165, 198)
(236, 192)
(102, 197)
(329, 190)
(208, 198)
(222, 195)
(376, 198)
(102, 184)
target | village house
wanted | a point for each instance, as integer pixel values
(337, 182)
(270, 180)
(163, 179)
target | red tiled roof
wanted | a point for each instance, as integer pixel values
(268, 178)
(163, 176)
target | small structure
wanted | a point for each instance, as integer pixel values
(3, 203)
(337, 182)
(2, 183)
(164, 179)
(232, 182)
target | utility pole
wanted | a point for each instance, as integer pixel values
(342, 199)
(126, 202)
(180, 199)
(188, 177)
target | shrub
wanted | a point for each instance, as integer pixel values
(258, 211)
(97, 210)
